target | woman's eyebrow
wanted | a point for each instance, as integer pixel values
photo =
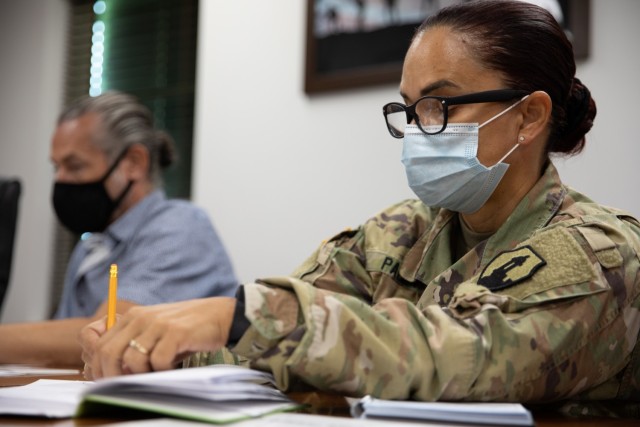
(433, 86)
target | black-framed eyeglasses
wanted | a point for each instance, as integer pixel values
(430, 113)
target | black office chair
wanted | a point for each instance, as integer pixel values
(9, 196)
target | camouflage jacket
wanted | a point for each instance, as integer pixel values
(545, 309)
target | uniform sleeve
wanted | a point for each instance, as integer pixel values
(177, 258)
(567, 327)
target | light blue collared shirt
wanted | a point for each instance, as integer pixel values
(166, 250)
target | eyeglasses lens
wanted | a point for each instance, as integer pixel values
(396, 119)
(430, 112)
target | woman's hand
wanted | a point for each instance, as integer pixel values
(88, 337)
(155, 338)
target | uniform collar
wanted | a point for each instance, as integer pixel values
(433, 251)
(533, 212)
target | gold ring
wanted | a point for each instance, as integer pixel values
(137, 346)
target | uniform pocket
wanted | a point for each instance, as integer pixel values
(557, 268)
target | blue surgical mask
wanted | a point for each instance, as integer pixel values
(443, 170)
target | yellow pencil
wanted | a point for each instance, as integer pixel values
(113, 296)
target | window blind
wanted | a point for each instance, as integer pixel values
(148, 49)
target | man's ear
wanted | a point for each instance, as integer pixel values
(536, 116)
(137, 162)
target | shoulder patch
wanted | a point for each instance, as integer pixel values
(511, 267)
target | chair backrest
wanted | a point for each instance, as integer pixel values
(9, 195)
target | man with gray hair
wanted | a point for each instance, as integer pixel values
(108, 159)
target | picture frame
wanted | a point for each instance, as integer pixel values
(330, 64)
(577, 14)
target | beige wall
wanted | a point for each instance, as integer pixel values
(31, 64)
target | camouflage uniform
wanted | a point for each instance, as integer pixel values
(545, 309)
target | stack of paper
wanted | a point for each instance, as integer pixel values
(218, 394)
(223, 393)
(504, 414)
(43, 398)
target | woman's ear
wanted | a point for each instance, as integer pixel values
(536, 115)
(138, 162)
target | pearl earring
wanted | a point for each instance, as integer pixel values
(521, 138)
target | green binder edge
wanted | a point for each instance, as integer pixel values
(105, 406)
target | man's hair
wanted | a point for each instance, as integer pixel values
(124, 121)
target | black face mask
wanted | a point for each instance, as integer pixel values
(87, 206)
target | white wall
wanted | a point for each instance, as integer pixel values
(31, 64)
(608, 169)
(277, 170)
(280, 171)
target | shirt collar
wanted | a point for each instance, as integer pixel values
(135, 216)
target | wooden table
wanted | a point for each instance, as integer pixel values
(322, 403)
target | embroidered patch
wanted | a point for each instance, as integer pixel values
(511, 267)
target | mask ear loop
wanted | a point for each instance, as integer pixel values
(508, 153)
(500, 114)
(115, 164)
(503, 112)
(122, 195)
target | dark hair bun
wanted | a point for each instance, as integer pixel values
(166, 151)
(580, 113)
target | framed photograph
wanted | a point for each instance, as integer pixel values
(357, 43)
(575, 20)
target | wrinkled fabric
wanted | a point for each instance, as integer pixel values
(166, 250)
(385, 310)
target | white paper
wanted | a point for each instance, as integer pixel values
(216, 393)
(513, 414)
(160, 422)
(285, 420)
(215, 382)
(307, 420)
(43, 398)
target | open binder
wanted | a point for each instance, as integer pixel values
(215, 394)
